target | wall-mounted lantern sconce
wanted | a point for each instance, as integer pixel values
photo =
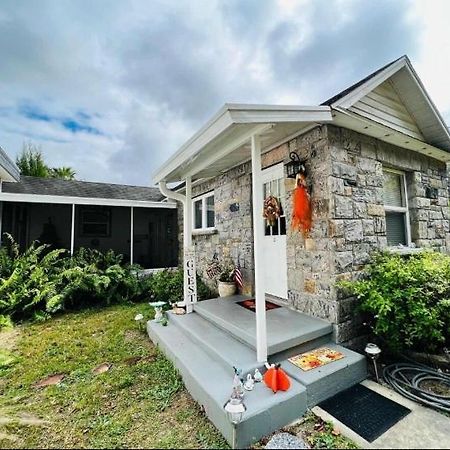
(295, 166)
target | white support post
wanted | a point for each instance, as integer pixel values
(131, 234)
(258, 228)
(72, 231)
(190, 280)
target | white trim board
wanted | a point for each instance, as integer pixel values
(231, 115)
(59, 199)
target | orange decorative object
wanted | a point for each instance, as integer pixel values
(301, 208)
(276, 379)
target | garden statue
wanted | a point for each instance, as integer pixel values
(159, 316)
(249, 383)
(237, 382)
(257, 376)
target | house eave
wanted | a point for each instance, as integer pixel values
(235, 123)
(8, 170)
(402, 72)
(363, 125)
(59, 199)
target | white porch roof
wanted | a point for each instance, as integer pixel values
(224, 141)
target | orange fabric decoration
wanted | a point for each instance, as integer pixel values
(301, 208)
(276, 379)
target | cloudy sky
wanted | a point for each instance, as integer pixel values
(112, 88)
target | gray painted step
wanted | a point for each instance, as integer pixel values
(209, 383)
(216, 342)
(325, 381)
(286, 328)
(225, 348)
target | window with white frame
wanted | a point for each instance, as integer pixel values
(203, 212)
(95, 221)
(396, 208)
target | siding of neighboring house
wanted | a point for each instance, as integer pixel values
(345, 173)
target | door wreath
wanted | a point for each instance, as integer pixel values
(272, 210)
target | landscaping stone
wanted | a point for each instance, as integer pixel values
(101, 368)
(50, 380)
(286, 440)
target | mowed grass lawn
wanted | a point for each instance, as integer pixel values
(137, 403)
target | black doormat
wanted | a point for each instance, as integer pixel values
(364, 411)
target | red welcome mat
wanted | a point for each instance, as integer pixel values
(250, 304)
(316, 358)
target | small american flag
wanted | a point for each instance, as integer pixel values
(238, 276)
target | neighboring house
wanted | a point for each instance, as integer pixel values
(376, 158)
(134, 221)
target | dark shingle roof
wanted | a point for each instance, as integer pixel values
(343, 93)
(72, 188)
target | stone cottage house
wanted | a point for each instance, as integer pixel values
(376, 166)
(376, 170)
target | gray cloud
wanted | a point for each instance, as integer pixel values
(135, 79)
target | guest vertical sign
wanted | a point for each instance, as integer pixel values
(190, 279)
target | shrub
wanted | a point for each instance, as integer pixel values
(167, 286)
(39, 282)
(30, 282)
(407, 299)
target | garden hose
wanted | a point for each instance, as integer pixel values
(407, 379)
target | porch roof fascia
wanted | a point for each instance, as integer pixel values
(252, 116)
(68, 200)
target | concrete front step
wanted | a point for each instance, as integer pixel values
(209, 383)
(321, 383)
(222, 347)
(325, 381)
(286, 329)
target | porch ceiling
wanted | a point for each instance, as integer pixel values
(224, 141)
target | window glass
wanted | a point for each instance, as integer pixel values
(282, 225)
(210, 211)
(393, 189)
(395, 228)
(198, 214)
(95, 222)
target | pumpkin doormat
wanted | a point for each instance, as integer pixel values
(250, 304)
(316, 358)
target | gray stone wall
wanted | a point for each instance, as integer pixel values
(345, 176)
(357, 216)
(233, 237)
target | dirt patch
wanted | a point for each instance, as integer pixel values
(436, 387)
(101, 368)
(132, 335)
(8, 437)
(23, 418)
(132, 361)
(50, 380)
(10, 338)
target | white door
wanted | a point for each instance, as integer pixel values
(274, 241)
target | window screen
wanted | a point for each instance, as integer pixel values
(95, 221)
(210, 211)
(395, 228)
(198, 214)
(395, 205)
(393, 189)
